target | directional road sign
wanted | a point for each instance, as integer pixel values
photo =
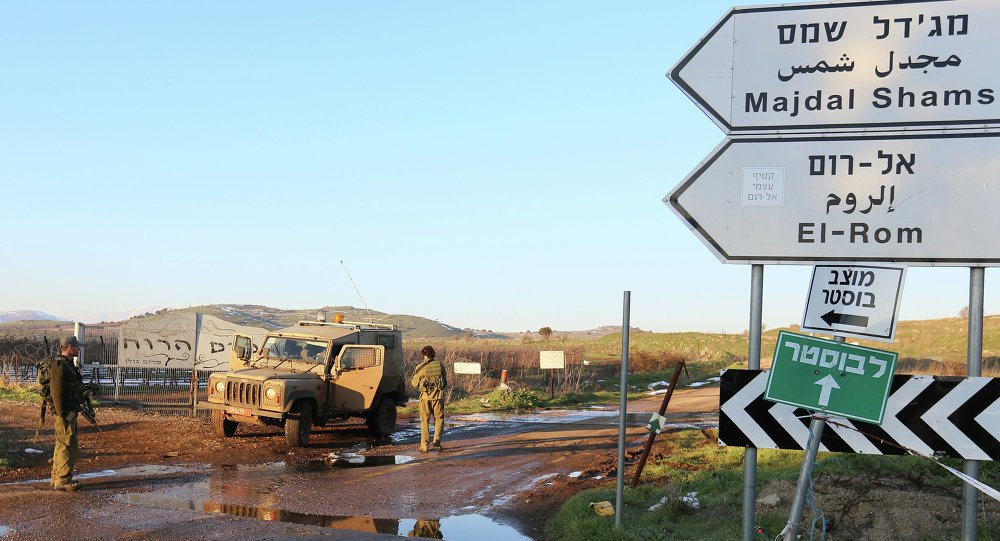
(847, 65)
(823, 375)
(854, 300)
(928, 199)
(933, 415)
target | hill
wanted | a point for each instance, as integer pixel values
(27, 315)
(276, 318)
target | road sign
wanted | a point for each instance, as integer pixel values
(468, 368)
(847, 66)
(656, 423)
(823, 375)
(854, 300)
(933, 415)
(926, 199)
(552, 360)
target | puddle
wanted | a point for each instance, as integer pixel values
(148, 470)
(453, 528)
(4, 530)
(351, 460)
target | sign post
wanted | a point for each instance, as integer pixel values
(551, 361)
(801, 79)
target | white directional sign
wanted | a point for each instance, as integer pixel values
(847, 65)
(854, 300)
(927, 199)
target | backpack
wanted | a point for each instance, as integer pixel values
(44, 368)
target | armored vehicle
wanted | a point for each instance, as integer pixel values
(310, 374)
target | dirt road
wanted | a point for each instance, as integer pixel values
(149, 476)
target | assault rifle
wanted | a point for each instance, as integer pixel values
(87, 409)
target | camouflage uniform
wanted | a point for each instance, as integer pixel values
(66, 392)
(430, 529)
(429, 377)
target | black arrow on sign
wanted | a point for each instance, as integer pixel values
(832, 317)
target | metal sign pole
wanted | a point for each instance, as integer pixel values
(753, 360)
(977, 281)
(622, 412)
(816, 427)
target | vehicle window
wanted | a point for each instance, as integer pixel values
(296, 349)
(361, 357)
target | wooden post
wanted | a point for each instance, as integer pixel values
(663, 409)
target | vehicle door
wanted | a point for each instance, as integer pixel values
(242, 352)
(357, 374)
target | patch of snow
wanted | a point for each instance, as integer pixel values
(691, 499)
(659, 504)
(574, 474)
(31, 451)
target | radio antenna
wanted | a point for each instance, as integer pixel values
(363, 303)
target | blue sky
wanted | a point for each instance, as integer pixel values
(490, 165)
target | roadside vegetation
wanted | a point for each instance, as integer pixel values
(692, 489)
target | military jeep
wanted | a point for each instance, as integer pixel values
(310, 374)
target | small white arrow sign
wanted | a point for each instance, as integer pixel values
(828, 384)
(806, 67)
(893, 198)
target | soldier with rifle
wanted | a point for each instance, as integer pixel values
(66, 397)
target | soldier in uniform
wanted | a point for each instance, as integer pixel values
(66, 390)
(430, 379)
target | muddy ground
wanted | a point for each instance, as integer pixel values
(517, 473)
(153, 476)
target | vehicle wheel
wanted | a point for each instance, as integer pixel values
(382, 420)
(223, 428)
(298, 425)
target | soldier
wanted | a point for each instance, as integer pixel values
(66, 390)
(429, 377)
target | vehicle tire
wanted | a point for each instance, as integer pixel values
(298, 425)
(382, 420)
(223, 428)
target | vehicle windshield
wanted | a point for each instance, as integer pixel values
(295, 349)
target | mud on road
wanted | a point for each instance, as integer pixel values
(153, 476)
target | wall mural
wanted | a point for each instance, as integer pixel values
(215, 342)
(181, 341)
(160, 342)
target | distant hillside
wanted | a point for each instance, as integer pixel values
(943, 340)
(27, 315)
(274, 318)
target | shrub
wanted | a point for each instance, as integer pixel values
(511, 400)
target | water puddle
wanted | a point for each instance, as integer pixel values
(453, 528)
(353, 460)
(148, 470)
(4, 530)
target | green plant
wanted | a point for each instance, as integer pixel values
(513, 400)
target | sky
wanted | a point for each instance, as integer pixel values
(491, 165)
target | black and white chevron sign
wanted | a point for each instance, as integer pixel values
(950, 416)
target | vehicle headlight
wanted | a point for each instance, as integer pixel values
(271, 393)
(220, 386)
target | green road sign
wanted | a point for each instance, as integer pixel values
(832, 377)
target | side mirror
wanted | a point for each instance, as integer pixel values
(241, 352)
